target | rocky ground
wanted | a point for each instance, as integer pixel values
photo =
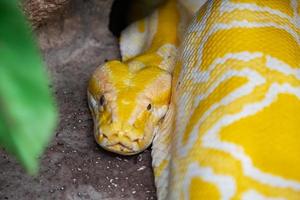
(74, 167)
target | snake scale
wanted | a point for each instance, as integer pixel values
(215, 87)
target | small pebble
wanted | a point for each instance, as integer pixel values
(140, 157)
(115, 185)
(141, 168)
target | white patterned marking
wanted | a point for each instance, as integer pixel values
(278, 65)
(133, 42)
(204, 76)
(254, 195)
(225, 184)
(254, 78)
(228, 6)
(211, 138)
(239, 24)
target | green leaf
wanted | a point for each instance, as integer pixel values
(27, 109)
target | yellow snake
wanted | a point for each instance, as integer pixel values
(215, 87)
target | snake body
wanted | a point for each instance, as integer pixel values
(219, 99)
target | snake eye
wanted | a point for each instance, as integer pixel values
(102, 100)
(149, 107)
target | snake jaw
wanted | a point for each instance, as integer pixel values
(117, 147)
(121, 143)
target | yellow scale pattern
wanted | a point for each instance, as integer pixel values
(239, 94)
(232, 130)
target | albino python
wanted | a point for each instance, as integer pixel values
(219, 99)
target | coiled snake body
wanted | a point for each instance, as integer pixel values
(219, 98)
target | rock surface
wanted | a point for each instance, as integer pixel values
(74, 167)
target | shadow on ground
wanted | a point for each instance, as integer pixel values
(74, 167)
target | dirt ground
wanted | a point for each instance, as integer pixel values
(74, 167)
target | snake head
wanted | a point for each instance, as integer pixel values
(128, 102)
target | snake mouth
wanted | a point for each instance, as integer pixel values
(121, 147)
